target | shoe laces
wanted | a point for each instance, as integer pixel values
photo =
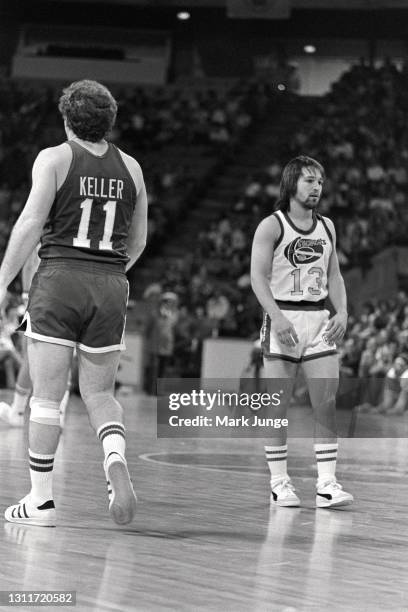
(331, 483)
(285, 483)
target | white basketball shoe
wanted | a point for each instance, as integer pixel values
(283, 493)
(330, 494)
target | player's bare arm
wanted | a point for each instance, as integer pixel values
(138, 229)
(28, 227)
(263, 246)
(336, 326)
(30, 267)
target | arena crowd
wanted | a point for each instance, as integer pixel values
(206, 291)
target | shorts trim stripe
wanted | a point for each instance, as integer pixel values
(49, 339)
(122, 340)
(302, 306)
(89, 349)
(273, 356)
(318, 355)
(30, 334)
(266, 333)
(101, 349)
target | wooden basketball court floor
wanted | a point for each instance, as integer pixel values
(205, 536)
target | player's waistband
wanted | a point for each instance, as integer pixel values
(301, 305)
(82, 264)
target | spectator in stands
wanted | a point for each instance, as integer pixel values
(10, 357)
(201, 329)
(366, 152)
(367, 359)
(350, 357)
(217, 310)
(160, 338)
(394, 399)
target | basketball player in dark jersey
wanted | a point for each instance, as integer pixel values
(294, 268)
(88, 205)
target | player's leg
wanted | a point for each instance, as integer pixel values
(65, 400)
(322, 377)
(49, 366)
(282, 374)
(97, 372)
(14, 414)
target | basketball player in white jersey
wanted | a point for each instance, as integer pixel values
(294, 268)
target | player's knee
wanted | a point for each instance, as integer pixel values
(101, 401)
(44, 411)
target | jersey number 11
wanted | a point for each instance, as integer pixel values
(82, 240)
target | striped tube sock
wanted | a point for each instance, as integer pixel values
(20, 400)
(112, 436)
(277, 458)
(326, 457)
(41, 467)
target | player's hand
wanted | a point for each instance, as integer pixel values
(336, 328)
(284, 330)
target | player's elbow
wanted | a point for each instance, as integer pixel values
(257, 280)
(137, 247)
(141, 245)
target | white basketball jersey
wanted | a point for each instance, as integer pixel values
(300, 261)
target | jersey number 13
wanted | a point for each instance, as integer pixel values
(316, 290)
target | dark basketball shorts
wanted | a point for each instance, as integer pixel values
(78, 303)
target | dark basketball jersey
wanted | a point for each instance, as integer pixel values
(92, 210)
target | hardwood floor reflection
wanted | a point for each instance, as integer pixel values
(205, 536)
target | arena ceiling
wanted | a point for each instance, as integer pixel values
(260, 4)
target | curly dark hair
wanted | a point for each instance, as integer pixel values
(89, 109)
(290, 176)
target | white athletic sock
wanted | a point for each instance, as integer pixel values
(112, 436)
(20, 400)
(277, 458)
(326, 457)
(41, 471)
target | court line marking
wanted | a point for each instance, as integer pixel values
(151, 458)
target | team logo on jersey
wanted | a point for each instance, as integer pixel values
(304, 250)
